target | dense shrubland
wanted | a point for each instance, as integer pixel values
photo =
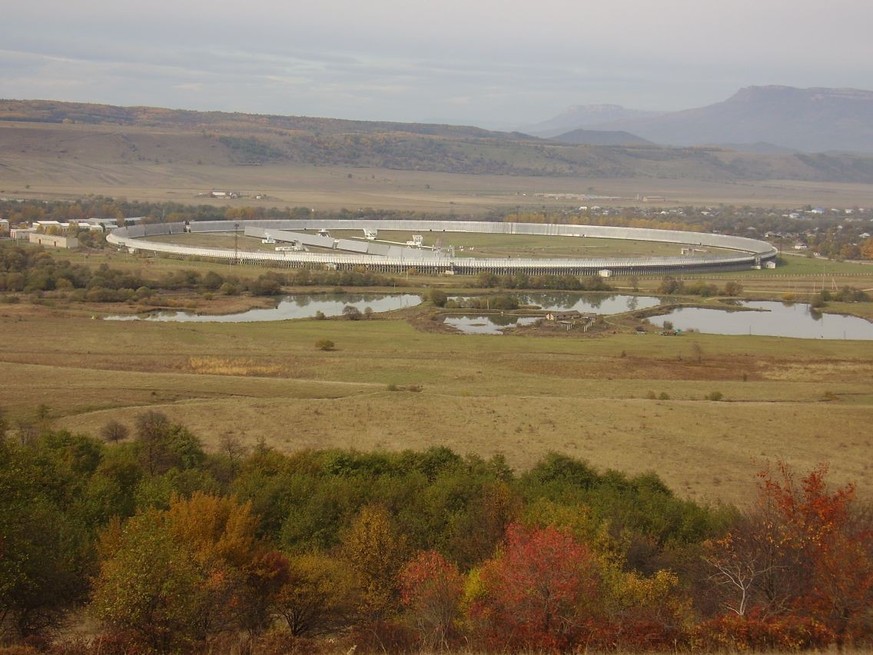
(169, 548)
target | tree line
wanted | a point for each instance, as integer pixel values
(35, 271)
(171, 548)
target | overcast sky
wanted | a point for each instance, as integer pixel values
(494, 63)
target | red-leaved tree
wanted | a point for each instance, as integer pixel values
(430, 589)
(836, 541)
(540, 592)
(806, 552)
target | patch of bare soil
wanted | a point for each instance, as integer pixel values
(706, 367)
(428, 321)
(820, 371)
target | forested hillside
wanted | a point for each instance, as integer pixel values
(169, 548)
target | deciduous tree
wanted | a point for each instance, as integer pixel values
(43, 552)
(319, 596)
(152, 587)
(540, 592)
(431, 588)
(114, 431)
(176, 576)
(805, 552)
(373, 549)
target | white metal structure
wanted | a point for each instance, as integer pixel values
(738, 252)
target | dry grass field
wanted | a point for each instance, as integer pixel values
(331, 188)
(522, 396)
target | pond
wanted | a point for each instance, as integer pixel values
(766, 318)
(487, 324)
(548, 301)
(587, 304)
(775, 319)
(297, 306)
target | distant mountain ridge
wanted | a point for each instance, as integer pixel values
(811, 120)
(585, 117)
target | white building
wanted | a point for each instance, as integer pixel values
(53, 240)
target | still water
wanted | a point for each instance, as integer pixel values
(548, 301)
(487, 324)
(298, 306)
(591, 304)
(770, 319)
(766, 318)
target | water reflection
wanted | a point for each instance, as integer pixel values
(487, 324)
(290, 307)
(770, 319)
(584, 304)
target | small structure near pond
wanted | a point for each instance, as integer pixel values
(559, 317)
(571, 318)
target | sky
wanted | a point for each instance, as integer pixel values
(500, 64)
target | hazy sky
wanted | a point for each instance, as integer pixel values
(494, 63)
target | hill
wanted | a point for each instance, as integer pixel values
(49, 111)
(52, 142)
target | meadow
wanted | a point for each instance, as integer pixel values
(622, 401)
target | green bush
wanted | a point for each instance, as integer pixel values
(438, 297)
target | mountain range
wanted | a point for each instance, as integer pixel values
(756, 118)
